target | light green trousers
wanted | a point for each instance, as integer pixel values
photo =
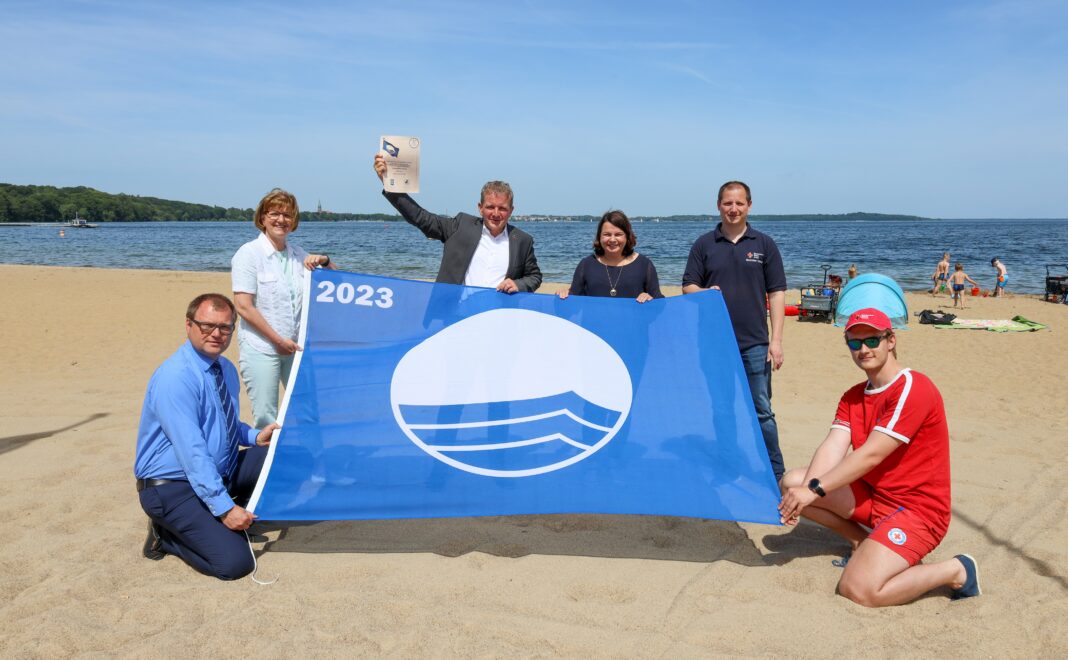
(262, 373)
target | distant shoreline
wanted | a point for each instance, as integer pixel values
(846, 217)
(49, 204)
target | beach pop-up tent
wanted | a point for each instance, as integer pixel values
(872, 290)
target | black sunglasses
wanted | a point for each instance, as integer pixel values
(870, 342)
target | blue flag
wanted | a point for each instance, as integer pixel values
(417, 400)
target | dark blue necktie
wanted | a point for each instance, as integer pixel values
(231, 420)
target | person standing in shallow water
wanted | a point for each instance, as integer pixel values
(1002, 277)
(615, 269)
(941, 274)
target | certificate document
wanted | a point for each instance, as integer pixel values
(402, 163)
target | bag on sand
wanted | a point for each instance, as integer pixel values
(936, 318)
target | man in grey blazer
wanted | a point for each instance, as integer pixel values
(481, 251)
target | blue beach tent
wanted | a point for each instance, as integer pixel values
(872, 290)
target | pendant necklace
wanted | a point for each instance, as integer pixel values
(612, 292)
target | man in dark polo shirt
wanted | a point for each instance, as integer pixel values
(745, 265)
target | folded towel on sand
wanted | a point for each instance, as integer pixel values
(1016, 324)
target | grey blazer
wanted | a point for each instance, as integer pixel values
(461, 235)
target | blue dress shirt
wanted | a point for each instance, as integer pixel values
(183, 434)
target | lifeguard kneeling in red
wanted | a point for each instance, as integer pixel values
(894, 482)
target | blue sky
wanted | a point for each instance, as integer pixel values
(945, 109)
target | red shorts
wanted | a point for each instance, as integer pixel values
(895, 527)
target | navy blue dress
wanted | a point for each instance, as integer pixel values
(592, 278)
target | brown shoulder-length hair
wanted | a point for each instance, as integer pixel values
(618, 219)
(277, 199)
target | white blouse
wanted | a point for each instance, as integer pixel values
(276, 279)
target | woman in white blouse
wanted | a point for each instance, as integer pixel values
(267, 275)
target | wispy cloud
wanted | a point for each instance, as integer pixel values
(691, 72)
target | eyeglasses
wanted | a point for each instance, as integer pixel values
(279, 215)
(208, 328)
(870, 342)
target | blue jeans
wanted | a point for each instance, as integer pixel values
(758, 371)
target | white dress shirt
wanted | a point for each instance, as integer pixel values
(489, 265)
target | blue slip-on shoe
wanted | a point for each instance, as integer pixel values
(841, 563)
(970, 587)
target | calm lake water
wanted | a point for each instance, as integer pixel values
(906, 250)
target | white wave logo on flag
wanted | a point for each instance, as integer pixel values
(563, 395)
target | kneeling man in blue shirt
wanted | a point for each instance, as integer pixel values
(192, 479)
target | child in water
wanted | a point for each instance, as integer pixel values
(957, 279)
(941, 274)
(1003, 277)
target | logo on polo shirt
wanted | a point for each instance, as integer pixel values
(755, 257)
(896, 536)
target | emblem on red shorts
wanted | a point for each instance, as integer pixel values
(896, 536)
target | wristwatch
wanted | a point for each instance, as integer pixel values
(816, 488)
(327, 262)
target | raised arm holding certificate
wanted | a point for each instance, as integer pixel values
(481, 250)
(401, 154)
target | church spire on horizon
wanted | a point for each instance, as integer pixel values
(320, 207)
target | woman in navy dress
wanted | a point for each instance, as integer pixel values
(615, 270)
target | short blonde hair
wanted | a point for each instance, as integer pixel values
(497, 188)
(276, 199)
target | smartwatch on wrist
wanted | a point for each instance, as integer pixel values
(816, 488)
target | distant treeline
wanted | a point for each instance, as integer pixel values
(856, 215)
(51, 204)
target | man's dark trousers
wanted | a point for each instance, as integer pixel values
(189, 531)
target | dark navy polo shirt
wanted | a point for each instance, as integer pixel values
(745, 272)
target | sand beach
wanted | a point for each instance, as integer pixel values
(82, 343)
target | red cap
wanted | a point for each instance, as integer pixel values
(871, 317)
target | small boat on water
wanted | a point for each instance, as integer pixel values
(80, 223)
